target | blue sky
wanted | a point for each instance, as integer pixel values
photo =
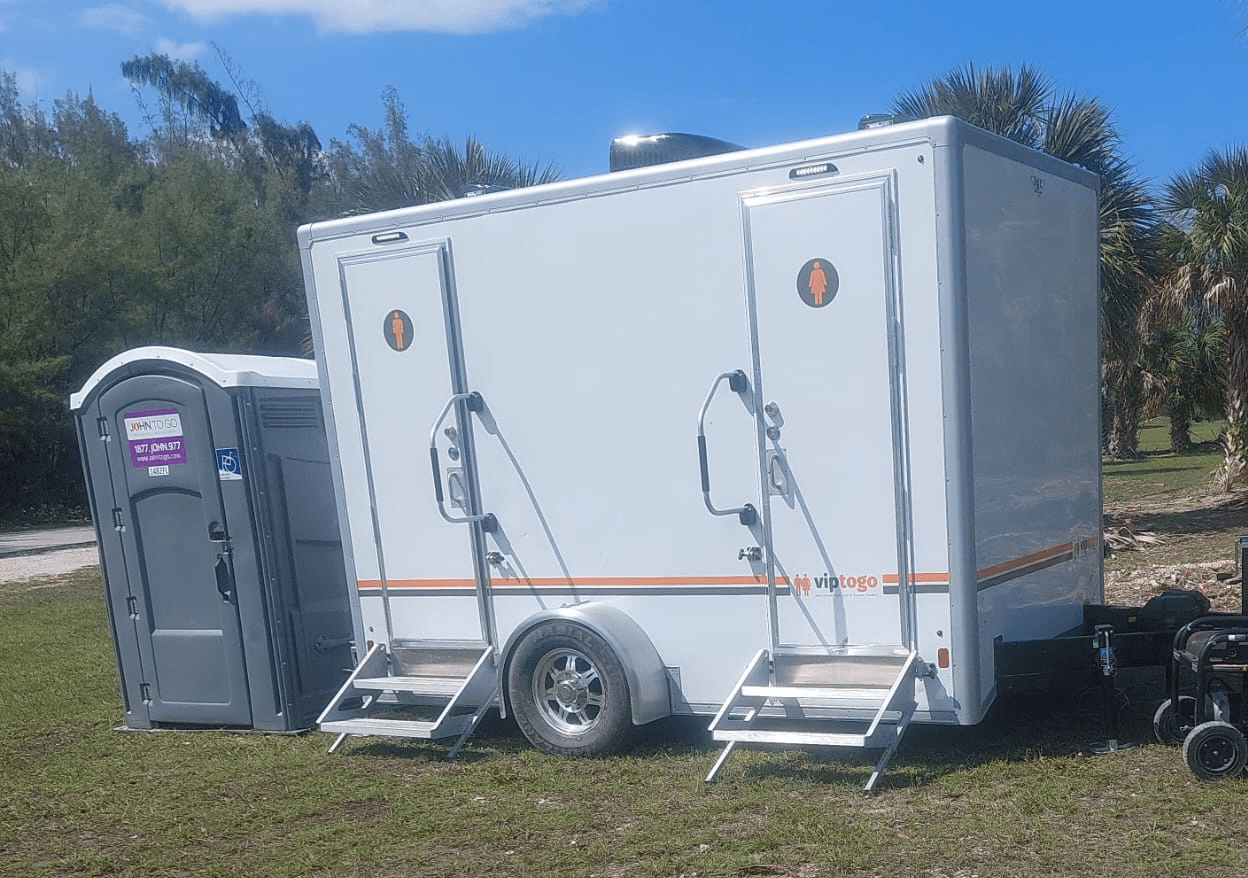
(555, 80)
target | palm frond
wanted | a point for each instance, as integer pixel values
(994, 98)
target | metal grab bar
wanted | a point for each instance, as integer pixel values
(475, 403)
(738, 383)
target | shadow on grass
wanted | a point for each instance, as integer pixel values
(494, 737)
(1020, 727)
(1228, 514)
(1153, 471)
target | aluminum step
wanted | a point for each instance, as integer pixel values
(435, 658)
(398, 728)
(874, 694)
(791, 737)
(462, 692)
(878, 680)
(416, 685)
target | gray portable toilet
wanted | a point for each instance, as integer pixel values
(213, 502)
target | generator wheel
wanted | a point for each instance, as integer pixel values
(1215, 750)
(568, 691)
(1171, 726)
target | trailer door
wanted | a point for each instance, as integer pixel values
(823, 299)
(408, 365)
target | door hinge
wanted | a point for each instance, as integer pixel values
(145, 691)
(118, 524)
(102, 424)
(132, 605)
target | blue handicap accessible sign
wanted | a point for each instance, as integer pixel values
(229, 464)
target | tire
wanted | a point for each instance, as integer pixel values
(1215, 750)
(568, 692)
(1170, 726)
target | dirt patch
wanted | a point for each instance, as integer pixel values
(1194, 545)
(1199, 513)
(1215, 579)
(21, 568)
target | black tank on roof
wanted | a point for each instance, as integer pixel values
(639, 151)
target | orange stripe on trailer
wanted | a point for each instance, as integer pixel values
(1025, 561)
(579, 582)
(929, 578)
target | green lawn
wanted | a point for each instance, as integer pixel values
(1159, 474)
(1171, 495)
(1017, 795)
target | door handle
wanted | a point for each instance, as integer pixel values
(225, 578)
(738, 383)
(474, 402)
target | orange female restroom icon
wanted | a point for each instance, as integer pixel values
(817, 282)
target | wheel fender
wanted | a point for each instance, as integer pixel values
(648, 692)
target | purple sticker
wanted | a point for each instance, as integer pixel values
(155, 438)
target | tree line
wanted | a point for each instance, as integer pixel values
(185, 236)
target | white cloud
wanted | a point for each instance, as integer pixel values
(181, 51)
(372, 16)
(116, 17)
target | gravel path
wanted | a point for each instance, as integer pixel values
(22, 567)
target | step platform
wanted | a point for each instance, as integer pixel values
(854, 696)
(429, 689)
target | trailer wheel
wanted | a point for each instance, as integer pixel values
(1215, 750)
(568, 691)
(1171, 726)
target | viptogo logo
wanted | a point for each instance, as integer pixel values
(829, 583)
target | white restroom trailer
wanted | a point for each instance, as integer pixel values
(790, 437)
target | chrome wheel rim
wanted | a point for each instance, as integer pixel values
(567, 689)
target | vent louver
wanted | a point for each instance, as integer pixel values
(290, 413)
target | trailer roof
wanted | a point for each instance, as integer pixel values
(939, 130)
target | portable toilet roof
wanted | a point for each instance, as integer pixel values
(225, 370)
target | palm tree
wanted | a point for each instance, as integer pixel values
(1023, 106)
(1183, 360)
(451, 172)
(1208, 211)
(390, 168)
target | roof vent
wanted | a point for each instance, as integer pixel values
(658, 149)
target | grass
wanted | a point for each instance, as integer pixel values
(1158, 473)
(1019, 794)
(1170, 494)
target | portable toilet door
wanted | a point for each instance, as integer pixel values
(170, 533)
(201, 602)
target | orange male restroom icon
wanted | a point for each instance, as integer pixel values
(396, 326)
(397, 329)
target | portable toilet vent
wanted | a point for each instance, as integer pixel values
(657, 149)
(212, 498)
